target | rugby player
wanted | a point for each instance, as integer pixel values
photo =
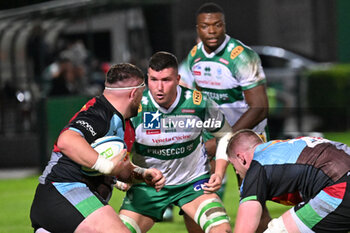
(70, 198)
(168, 132)
(312, 174)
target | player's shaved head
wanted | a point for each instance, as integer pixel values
(244, 139)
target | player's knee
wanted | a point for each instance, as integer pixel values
(130, 223)
(276, 225)
(211, 213)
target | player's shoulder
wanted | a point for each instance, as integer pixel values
(194, 96)
(238, 50)
(96, 107)
(145, 101)
(195, 52)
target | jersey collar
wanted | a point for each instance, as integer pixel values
(221, 47)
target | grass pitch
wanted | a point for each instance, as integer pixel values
(16, 196)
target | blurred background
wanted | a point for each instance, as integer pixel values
(54, 55)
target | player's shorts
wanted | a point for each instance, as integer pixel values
(147, 201)
(61, 207)
(328, 211)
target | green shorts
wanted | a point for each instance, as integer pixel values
(145, 200)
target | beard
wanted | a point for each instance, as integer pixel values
(134, 108)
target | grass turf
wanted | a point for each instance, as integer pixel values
(16, 196)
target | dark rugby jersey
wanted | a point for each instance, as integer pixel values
(96, 119)
(291, 171)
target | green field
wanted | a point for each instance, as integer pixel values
(16, 196)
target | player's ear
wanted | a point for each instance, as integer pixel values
(240, 158)
(133, 93)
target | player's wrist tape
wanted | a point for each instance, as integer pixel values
(222, 147)
(276, 225)
(139, 170)
(103, 165)
(121, 186)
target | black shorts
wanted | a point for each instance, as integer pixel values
(61, 207)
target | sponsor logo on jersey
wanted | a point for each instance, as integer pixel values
(186, 110)
(206, 82)
(217, 96)
(151, 120)
(207, 71)
(194, 50)
(199, 185)
(197, 97)
(223, 61)
(197, 67)
(197, 70)
(171, 139)
(170, 151)
(236, 51)
(219, 73)
(87, 126)
(197, 73)
(154, 131)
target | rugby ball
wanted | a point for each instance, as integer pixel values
(108, 147)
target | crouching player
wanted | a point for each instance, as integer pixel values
(313, 174)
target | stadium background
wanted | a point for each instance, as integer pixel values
(129, 31)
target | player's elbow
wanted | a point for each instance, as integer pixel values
(260, 112)
(264, 111)
(64, 140)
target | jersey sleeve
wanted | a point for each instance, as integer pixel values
(255, 184)
(214, 115)
(186, 74)
(248, 69)
(90, 126)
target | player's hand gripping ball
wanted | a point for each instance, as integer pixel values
(108, 147)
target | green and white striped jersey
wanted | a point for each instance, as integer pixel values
(224, 74)
(170, 139)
